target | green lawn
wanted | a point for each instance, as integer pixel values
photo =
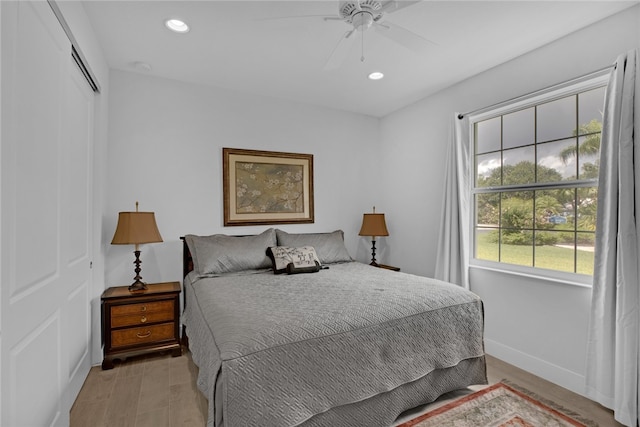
(551, 257)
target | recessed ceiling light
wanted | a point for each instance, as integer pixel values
(376, 75)
(177, 25)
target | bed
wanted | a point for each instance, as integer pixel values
(344, 344)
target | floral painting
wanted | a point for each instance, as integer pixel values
(267, 187)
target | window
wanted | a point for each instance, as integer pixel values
(535, 186)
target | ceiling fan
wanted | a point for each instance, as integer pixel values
(365, 14)
(362, 15)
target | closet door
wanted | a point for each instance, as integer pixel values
(76, 240)
(46, 152)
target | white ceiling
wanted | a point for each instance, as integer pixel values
(232, 45)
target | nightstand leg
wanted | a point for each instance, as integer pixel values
(177, 352)
(107, 363)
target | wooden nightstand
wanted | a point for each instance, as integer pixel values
(388, 267)
(134, 324)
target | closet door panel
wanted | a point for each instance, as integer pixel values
(34, 80)
(76, 208)
(41, 62)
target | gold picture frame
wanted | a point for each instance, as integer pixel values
(266, 187)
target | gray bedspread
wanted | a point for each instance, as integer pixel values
(276, 350)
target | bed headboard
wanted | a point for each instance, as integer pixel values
(187, 260)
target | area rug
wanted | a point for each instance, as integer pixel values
(500, 405)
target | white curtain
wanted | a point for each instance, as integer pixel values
(613, 353)
(452, 262)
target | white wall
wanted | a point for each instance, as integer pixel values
(538, 325)
(165, 151)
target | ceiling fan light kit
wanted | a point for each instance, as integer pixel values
(362, 21)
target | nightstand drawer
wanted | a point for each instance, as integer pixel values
(144, 334)
(142, 308)
(142, 319)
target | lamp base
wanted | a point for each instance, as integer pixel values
(137, 287)
(373, 253)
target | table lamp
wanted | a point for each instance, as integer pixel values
(136, 228)
(373, 225)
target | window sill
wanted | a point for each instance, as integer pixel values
(560, 277)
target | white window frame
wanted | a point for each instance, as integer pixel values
(553, 93)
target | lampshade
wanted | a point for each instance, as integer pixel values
(373, 224)
(135, 228)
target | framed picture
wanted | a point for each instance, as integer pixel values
(267, 187)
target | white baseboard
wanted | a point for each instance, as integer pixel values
(550, 372)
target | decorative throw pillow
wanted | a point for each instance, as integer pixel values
(219, 253)
(293, 260)
(329, 246)
(291, 269)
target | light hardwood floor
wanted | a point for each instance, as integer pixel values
(154, 391)
(161, 391)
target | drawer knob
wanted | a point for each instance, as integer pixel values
(145, 335)
(143, 319)
(143, 308)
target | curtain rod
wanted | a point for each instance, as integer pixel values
(527, 95)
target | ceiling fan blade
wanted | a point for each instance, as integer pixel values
(390, 6)
(340, 51)
(404, 37)
(278, 18)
